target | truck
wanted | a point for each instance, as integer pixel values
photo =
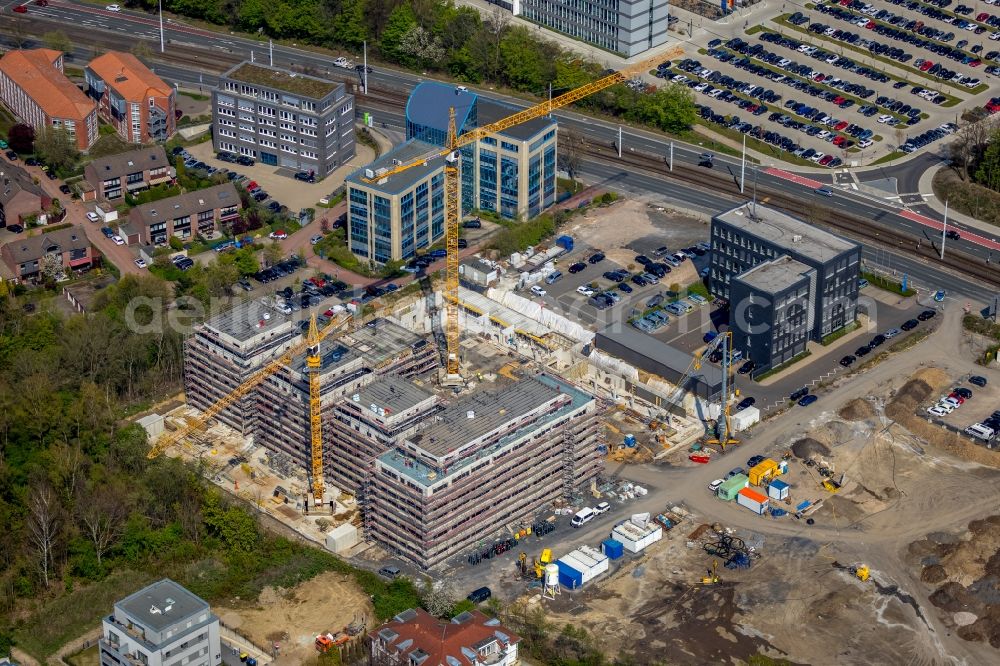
(565, 242)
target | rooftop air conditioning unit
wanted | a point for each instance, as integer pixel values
(369, 173)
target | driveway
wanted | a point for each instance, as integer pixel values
(119, 255)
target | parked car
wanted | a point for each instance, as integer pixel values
(847, 361)
(807, 400)
(909, 324)
(799, 394)
(15, 228)
(278, 234)
(315, 239)
(94, 217)
(715, 485)
(926, 314)
(977, 380)
(141, 263)
(389, 572)
(754, 461)
(577, 267)
(479, 595)
(537, 291)
(745, 402)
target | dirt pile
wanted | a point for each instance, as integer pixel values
(857, 410)
(967, 572)
(807, 447)
(915, 393)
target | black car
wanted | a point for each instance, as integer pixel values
(909, 324)
(975, 380)
(876, 341)
(953, 235)
(639, 280)
(754, 461)
(847, 360)
(659, 270)
(926, 314)
(577, 267)
(274, 206)
(801, 393)
(306, 176)
(744, 403)
(244, 160)
(614, 276)
(625, 287)
(64, 189)
(964, 392)
(15, 228)
(462, 243)
(473, 224)
(31, 161)
(643, 259)
(747, 368)
(11, 155)
(177, 150)
(480, 595)
(596, 258)
(862, 350)
(260, 196)
(224, 157)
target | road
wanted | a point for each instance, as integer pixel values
(127, 25)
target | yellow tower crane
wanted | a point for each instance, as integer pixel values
(310, 346)
(452, 156)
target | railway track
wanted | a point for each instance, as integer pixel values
(869, 232)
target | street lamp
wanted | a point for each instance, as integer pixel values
(160, 3)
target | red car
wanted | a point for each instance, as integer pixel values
(838, 141)
(983, 17)
(975, 63)
(838, 100)
(826, 160)
(870, 25)
(927, 65)
(252, 185)
(993, 105)
(21, 9)
(841, 125)
(957, 398)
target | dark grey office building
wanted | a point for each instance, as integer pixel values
(774, 300)
(628, 27)
(746, 237)
(283, 118)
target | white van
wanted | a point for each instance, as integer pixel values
(584, 515)
(979, 431)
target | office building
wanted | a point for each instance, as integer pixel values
(131, 98)
(201, 212)
(486, 461)
(392, 218)
(626, 27)
(111, 177)
(512, 172)
(776, 306)
(283, 118)
(162, 624)
(417, 638)
(35, 89)
(747, 236)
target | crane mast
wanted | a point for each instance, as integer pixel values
(314, 361)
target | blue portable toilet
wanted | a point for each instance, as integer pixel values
(568, 576)
(630, 441)
(613, 548)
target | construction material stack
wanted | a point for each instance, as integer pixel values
(637, 533)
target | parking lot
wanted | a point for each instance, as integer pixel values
(846, 81)
(977, 405)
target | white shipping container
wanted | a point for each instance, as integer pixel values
(752, 504)
(745, 418)
(587, 567)
(634, 538)
(599, 557)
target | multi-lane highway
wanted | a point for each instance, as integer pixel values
(208, 53)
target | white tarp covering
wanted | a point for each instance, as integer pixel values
(552, 320)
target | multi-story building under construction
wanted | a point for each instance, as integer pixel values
(488, 460)
(432, 477)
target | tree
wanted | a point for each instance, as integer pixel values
(422, 48)
(438, 600)
(103, 512)
(401, 21)
(349, 27)
(571, 144)
(51, 265)
(496, 26)
(44, 527)
(273, 253)
(988, 173)
(58, 41)
(56, 148)
(21, 138)
(525, 63)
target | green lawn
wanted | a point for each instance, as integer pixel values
(894, 155)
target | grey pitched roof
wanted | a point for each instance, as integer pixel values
(189, 203)
(14, 180)
(122, 164)
(34, 247)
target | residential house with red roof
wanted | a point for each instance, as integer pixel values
(131, 97)
(417, 638)
(34, 87)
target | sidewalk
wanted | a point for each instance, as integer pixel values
(927, 192)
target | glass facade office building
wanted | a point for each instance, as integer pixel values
(512, 173)
(628, 27)
(390, 219)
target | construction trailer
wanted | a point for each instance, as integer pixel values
(762, 473)
(579, 567)
(778, 490)
(637, 533)
(731, 487)
(752, 500)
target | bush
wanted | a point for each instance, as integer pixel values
(516, 237)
